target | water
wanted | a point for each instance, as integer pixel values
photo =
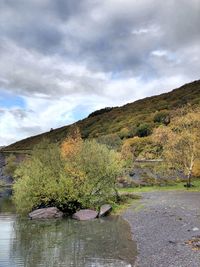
(65, 242)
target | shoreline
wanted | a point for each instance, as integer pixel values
(162, 225)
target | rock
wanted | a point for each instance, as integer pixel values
(84, 215)
(104, 210)
(195, 229)
(46, 213)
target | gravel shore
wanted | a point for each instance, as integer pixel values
(161, 224)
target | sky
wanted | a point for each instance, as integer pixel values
(60, 60)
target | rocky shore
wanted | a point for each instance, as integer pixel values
(166, 227)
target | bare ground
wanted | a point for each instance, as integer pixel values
(161, 224)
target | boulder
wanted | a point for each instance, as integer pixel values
(84, 215)
(104, 210)
(46, 213)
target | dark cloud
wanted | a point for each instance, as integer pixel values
(106, 35)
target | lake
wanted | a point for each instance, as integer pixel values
(63, 242)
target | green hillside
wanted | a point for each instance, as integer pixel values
(127, 121)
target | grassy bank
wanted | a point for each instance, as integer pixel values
(178, 186)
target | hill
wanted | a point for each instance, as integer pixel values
(137, 118)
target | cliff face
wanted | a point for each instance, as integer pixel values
(4, 178)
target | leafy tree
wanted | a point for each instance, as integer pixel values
(181, 143)
(79, 174)
(99, 167)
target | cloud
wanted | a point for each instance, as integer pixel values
(62, 59)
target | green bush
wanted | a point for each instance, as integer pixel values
(84, 179)
(143, 130)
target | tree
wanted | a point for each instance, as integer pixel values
(99, 167)
(77, 174)
(181, 143)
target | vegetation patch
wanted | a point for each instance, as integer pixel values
(77, 174)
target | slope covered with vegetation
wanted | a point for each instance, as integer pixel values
(134, 119)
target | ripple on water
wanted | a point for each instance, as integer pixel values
(99, 243)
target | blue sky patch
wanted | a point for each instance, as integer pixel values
(80, 112)
(8, 100)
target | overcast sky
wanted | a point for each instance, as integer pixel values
(62, 59)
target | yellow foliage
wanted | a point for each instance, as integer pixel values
(127, 155)
(196, 168)
(72, 144)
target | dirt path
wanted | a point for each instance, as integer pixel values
(161, 224)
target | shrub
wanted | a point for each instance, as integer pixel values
(81, 174)
(162, 117)
(113, 141)
(143, 130)
(124, 133)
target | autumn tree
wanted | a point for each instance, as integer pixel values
(77, 174)
(181, 142)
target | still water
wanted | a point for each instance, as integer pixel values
(64, 242)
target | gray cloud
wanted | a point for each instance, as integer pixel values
(101, 33)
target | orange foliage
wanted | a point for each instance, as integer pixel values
(72, 144)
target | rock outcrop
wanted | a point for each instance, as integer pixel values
(5, 179)
(46, 213)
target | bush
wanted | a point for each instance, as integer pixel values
(81, 174)
(162, 117)
(124, 133)
(113, 141)
(143, 130)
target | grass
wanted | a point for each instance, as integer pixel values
(177, 187)
(126, 201)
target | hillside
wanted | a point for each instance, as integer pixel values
(123, 121)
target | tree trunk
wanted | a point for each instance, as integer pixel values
(118, 198)
(190, 172)
(189, 180)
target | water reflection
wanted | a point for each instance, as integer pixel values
(106, 242)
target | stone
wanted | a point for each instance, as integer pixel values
(195, 229)
(84, 215)
(46, 213)
(104, 210)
